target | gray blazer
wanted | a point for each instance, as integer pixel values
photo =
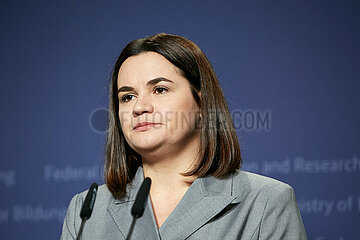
(242, 206)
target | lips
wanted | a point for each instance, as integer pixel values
(144, 125)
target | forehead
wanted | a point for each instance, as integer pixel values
(146, 66)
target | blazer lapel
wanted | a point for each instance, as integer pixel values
(120, 212)
(205, 198)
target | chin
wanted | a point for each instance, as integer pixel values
(143, 149)
(146, 144)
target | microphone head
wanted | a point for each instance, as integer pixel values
(138, 208)
(89, 202)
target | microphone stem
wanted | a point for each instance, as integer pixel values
(131, 228)
(81, 229)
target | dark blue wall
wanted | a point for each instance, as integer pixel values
(289, 70)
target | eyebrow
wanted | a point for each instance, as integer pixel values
(149, 83)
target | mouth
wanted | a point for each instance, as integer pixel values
(143, 126)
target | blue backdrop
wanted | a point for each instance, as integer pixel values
(289, 70)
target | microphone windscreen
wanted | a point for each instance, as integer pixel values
(138, 208)
(89, 202)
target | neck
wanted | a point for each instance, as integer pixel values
(165, 169)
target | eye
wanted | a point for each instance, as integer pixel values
(160, 90)
(126, 98)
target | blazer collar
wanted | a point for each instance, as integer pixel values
(205, 199)
(133, 187)
(120, 210)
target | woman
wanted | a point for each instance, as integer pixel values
(169, 121)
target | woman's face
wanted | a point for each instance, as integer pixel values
(157, 111)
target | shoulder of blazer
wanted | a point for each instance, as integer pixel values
(103, 197)
(247, 183)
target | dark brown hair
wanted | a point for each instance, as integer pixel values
(220, 151)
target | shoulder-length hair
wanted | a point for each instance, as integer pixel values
(219, 153)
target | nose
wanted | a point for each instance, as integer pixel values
(141, 106)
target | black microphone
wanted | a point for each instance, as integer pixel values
(138, 208)
(87, 207)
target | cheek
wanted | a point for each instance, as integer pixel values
(125, 120)
(182, 116)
